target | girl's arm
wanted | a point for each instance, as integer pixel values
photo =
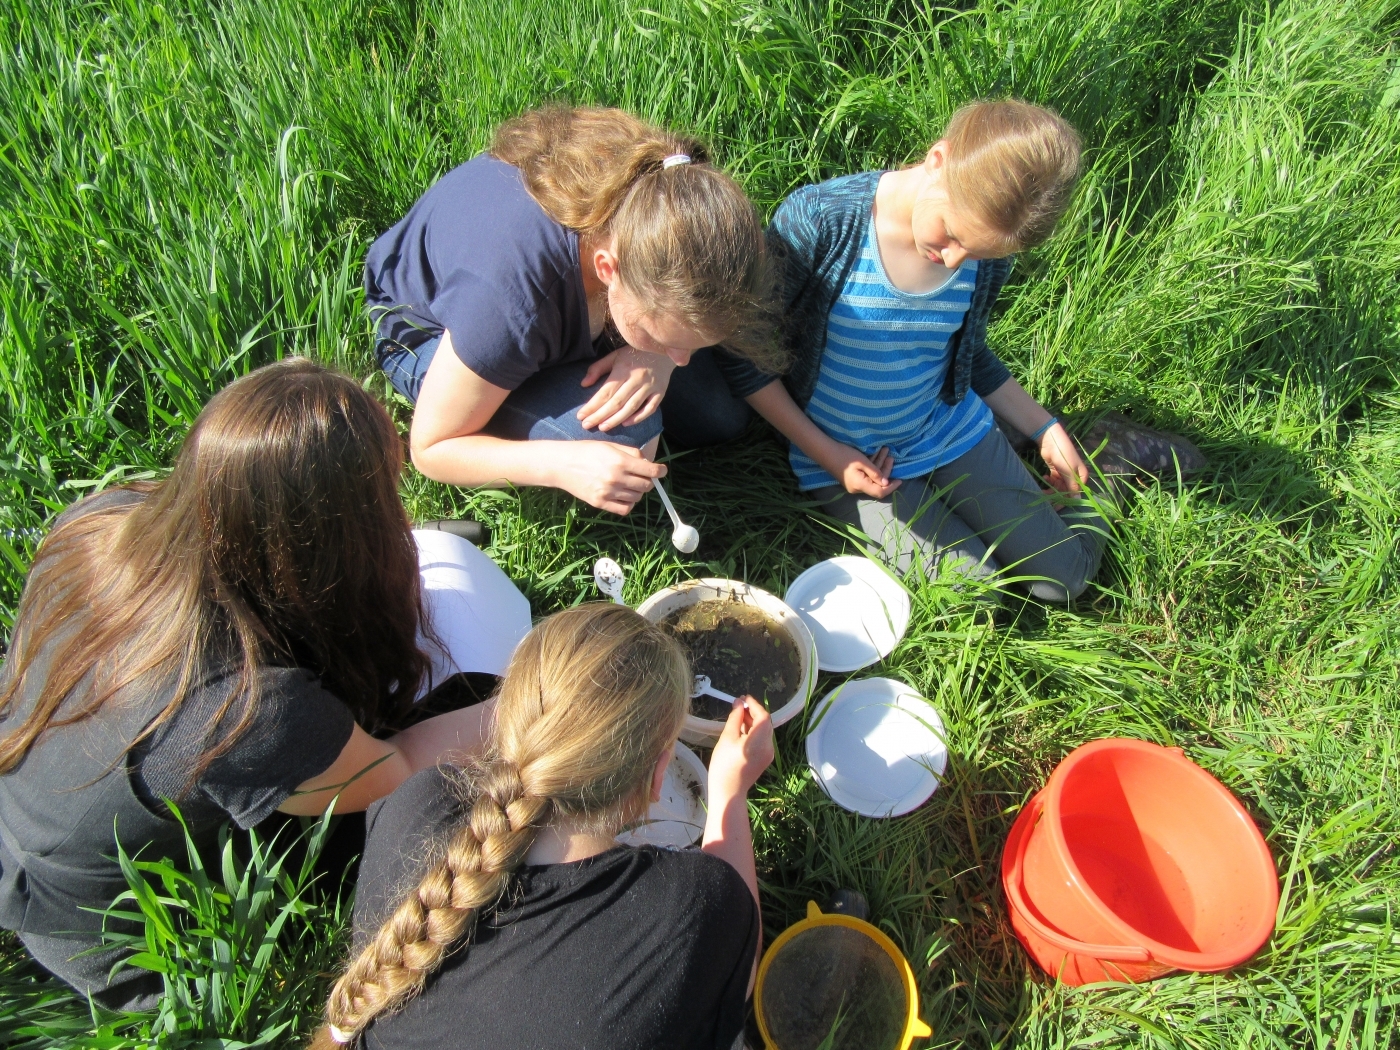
(368, 769)
(446, 444)
(1068, 471)
(849, 466)
(743, 751)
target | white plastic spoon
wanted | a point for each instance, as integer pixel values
(702, 685)
(608, 577)
(684, 537)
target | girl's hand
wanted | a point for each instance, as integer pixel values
(743, 751)
(859, 474)
(1068, 471)
(606, 475)
(634, 388)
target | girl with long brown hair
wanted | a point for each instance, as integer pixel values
(494, 908)
(226, 639)
(586, 246)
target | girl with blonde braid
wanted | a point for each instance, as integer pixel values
(525, 924)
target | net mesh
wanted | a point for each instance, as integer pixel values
(834, 988)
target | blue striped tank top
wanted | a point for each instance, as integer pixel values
(883, 369)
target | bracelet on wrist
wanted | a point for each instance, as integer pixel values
(1048, 424)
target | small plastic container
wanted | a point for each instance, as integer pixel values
(702, 731)
(877, 747)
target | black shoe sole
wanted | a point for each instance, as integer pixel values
(472, 531)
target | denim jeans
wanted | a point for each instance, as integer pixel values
(698, 408)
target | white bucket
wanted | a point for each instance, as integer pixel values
(703, 731)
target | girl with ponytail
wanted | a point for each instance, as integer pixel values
(585, 246)
(524, 923)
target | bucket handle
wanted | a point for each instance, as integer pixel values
(1012, 885)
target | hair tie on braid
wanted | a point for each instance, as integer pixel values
(675, 159)
(340, 1036)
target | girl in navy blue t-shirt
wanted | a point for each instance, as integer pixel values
(585, 246)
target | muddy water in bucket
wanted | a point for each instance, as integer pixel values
(835, 982)
(833, 988)
(741, 648)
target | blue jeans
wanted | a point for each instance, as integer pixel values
(698, 408)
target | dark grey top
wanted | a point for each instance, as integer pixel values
(634, 949)
(815, 238)
(82, 784)
(478, 257)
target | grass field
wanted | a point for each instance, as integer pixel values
(187, 191)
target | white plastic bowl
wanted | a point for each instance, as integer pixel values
(703, 731)
(878, 747)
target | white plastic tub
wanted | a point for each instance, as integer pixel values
(662, 604)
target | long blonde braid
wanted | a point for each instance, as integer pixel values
(592, 698)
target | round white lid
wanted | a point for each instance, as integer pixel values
(856, 612)
(678, 819)
(877, 748)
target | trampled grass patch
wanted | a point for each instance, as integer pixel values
(187, 192)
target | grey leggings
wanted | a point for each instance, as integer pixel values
(131, 989)
(982, 514)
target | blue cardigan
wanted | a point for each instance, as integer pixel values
(815, 238)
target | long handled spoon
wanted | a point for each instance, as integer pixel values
(702, 685)
(608, 577)
(685, 538)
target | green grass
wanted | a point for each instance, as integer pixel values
(187, 192)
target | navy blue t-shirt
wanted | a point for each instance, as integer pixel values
(478, 257)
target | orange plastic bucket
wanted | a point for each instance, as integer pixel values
(1133, 862)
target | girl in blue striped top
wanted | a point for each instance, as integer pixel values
(890, 394)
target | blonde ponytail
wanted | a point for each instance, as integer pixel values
(687, 237)
(592, 698)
